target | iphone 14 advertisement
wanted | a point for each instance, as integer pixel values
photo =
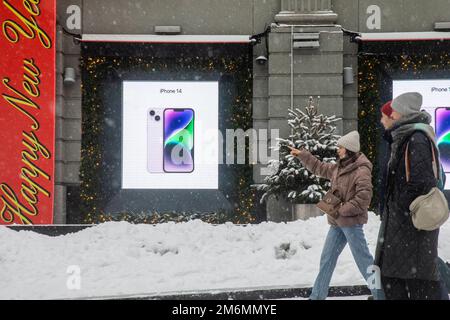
(442, 124)
(170, 140)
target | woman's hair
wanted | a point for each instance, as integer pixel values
(350, 154)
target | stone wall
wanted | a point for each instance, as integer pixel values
(316, 71)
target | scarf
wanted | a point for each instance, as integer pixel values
(348, 160)
(403, 129)
(400, 133)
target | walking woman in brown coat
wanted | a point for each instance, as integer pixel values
(351, 182)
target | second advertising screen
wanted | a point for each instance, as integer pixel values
(436, 101)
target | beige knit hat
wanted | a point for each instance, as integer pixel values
(350, 142)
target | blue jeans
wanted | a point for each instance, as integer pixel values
(336, 241)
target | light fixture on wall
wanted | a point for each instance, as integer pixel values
(348, 76)
(257, 39)
(69, 76)
(261, 60)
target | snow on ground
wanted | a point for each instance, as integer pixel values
(120, 258)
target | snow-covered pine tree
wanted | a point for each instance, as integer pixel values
(291, 180)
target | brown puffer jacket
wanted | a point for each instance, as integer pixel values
(352, 183)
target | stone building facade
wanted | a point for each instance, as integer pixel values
(318, 62)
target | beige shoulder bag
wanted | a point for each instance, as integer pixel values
(429, 211)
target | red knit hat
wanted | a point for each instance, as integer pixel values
(387, 109)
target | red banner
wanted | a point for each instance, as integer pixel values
(27, 110)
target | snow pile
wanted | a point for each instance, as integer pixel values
(120, 258)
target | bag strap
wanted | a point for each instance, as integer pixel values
(434, 163)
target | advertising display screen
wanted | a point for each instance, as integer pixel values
(436, 101)
(155, 123)
(170, 135)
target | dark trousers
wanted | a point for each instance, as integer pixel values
(411, 289)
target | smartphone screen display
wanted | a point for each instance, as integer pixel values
(179, 140)
(442, 123)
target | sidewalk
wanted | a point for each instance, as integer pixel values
(259, 293)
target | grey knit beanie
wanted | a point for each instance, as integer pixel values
(350, 141)
(407, 103)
